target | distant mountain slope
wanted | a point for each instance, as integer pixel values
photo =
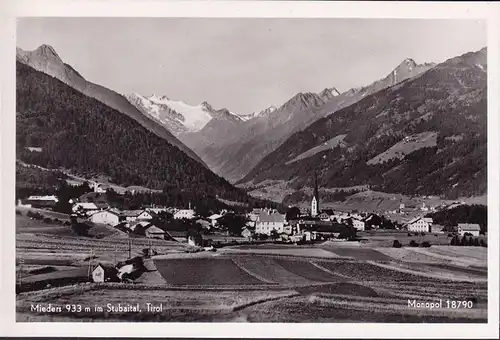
(46, 60)
(66, 129)
(446, 105)
(179, 117)
(244, 145)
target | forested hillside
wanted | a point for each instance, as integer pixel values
(83, 135)
(448, 102)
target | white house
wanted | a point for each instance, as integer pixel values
(133, 215)
(472, 228)
(420, 224)
(44, 198)
(268, 222)
(104, 273)
(105, 217)
(359, 224)
(184, 213)
(88, 208)
(154, 232)
(213, 219)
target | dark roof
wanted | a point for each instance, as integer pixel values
(108, 267)
(271, 218)
(132, 213)
(327, 211)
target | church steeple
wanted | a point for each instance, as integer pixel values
(315, 198)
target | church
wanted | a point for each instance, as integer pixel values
(315, 199)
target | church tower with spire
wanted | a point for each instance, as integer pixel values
(315, 198)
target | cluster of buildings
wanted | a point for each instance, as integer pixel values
(426, 225)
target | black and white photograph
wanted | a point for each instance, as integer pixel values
(251, 170)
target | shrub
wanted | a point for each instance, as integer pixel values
(19, 212)
(426, 244)
(413, 243)
(409, 234)
(463, 241)
(396, 244)
(476, 242)
(47, 220)
(482, 243)
(422, 233)
(450, 235)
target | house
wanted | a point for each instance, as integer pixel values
(204, 223)
(437, 229)
(133, 215)
(213, 219)
(358, 223)
(153, 231)
(156, 209)
(184, 214)
(41, 201)
(99, 187)
(255, 213)
(138, 227)
(246, 233)
(84, 208)
(324, 216)
(268, 222)
(105, 272)
(105, 217)
(472, 228)
(420, 224)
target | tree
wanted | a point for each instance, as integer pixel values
(292, 213)
(274, 234)
(463, 241)
(426, 244)
(396, 244)
(233, 223)
(476, 242)
(413, 243)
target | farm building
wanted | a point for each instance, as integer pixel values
(156, 209)
(105, 217)
(472, 228)
(437, 229)
(420, 224)
(268, 222)
(139, 215)
(359, 224)
(154, 232)
(41, 201)
(213, 219)
(85, 208)
(104, 272)
(184, 214)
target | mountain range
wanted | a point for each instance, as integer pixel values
(249, 139)
(46, 60)
(425, 135)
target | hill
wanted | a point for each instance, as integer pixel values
(46, 60)
(59, 127)
(440, 113)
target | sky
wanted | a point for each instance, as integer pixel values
(244, 65)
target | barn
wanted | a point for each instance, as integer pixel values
(105, 272)
(105, 217)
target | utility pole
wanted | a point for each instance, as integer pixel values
(90, 263)
(129, 248)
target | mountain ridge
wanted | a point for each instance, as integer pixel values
(45, 59)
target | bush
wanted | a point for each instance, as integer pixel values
(396, 244)
(426, 244)
(450, 235)
(422, 233)
(47, 220)
(463, 241)
(413, 243)
(409, 234)
(482, 243)
(476, 242)
(19, 212)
